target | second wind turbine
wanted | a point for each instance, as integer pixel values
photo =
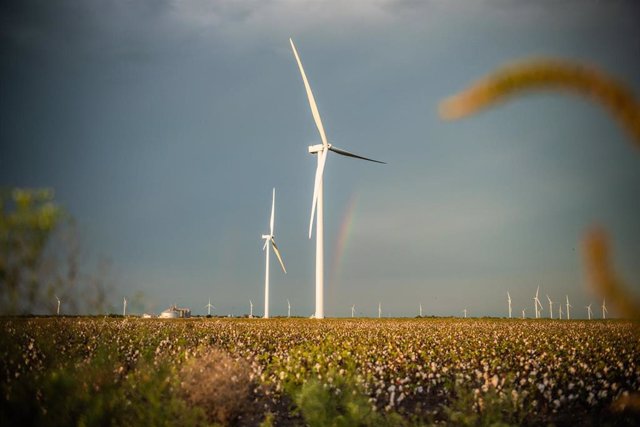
(321, 150)
(270, 238)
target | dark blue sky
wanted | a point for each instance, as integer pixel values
(163, 126)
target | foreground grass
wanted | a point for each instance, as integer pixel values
(101, 371)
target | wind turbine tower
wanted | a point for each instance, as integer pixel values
(604, 309)
(465, 313)
(124, 306)
(550, 307)
(589, 311)
(288, 308)
(209, 307)
(321, 151)
(509, 301)
(537, 303)
(353, 310)
(270, 242)
(250, 309)
(568, 307)
(560, 311)
(523, 310)
(379, 310)
(420, 309)
(58, 309)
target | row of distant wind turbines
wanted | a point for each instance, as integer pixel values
(537, 307)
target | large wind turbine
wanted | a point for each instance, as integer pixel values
(58, 309)
(568, 307)
(250, 309)
(560, 311)
(270, 238)
(288, 308)
(604, 309)
(523, 310)
(465, 313)
(589, 311)
(379, 310)
(550, 307)
(321, 150)
(353, 310)
(124, 306)
(537, 303)
(509, 300)
(420, 309)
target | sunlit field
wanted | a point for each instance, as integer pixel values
(115, 371)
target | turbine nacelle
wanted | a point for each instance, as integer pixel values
(314, 149)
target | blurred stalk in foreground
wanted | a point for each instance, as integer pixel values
(561, 75)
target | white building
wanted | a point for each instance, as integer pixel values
(175, 312)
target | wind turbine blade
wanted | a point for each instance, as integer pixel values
(273, 211)
(275, 249)
(316, 187)
(348, 154)
(312, 101)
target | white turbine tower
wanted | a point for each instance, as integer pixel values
(523, 310)
(353, 310)
(568, 307)
(509, 300)
(269, 241)
(58, 309)
(465, 313)
(288, 308)
(560, 311)
(250, 309)
(209, 307)
(604, 309)
(124, 306)
(589, 311)
(537, 303)
(420, 309)
(379, 310)
(321, 150)
(550, 307)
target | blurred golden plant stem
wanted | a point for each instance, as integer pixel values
(560, 75)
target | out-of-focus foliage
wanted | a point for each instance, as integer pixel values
(40, 259)
(335, 372)
(27, 220)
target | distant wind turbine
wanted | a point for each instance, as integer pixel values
(321, 150)
(250, 308)
(288, 308)
(604, 309)
(353, 310)
(58, 309)
(420, 309)
(589, 311)
(550, 307)
(269, 241)
(509, 301)
(465, 313)
(568, 307)
(124, 306)
(537, 303)
(379, 310)
(209, 307)
(523, 310)
(560, 311)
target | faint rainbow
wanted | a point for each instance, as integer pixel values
(342, 242)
